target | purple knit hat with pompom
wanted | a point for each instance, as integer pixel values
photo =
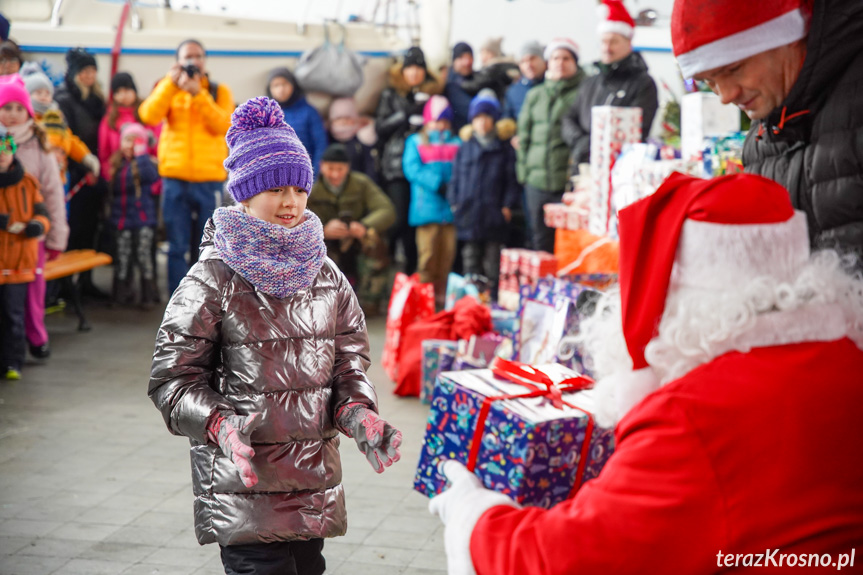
(265, 152)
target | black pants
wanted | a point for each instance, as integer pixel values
(542, 235)
(281, 558)
(482, 258)
(13, 302)
(399, 191)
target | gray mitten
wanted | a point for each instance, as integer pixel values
(376, 438)
(234, 436)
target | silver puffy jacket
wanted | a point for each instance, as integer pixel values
(225, 346)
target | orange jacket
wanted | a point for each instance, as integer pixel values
(192, 144)
(61, 138)
(21, 201)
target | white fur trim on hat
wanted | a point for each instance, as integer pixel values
(617, 27)
(564, 43)
(779, 31)
(718, 257)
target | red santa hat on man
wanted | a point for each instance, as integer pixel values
(707, 35)
(613, 17)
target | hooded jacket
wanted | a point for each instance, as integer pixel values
(192, 142)
(225, 346)
(392, 124)
(543, 156)
(20, 202)
(811, 143)
(428, 163)
(302, 117)
(625, 83)
(483, 182)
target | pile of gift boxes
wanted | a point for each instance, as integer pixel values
(539, 443)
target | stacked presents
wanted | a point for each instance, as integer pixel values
(512, 398)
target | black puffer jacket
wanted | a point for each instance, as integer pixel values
(818, 154)
(83, 116)
(392, 124)
(626, 84)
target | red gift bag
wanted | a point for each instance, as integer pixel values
(410, 301)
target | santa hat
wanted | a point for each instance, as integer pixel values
(564, 43)
(708, 35)
(705, 235)
(613, 17)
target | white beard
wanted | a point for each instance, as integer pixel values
(823, 303)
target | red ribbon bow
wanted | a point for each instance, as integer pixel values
(526, 375)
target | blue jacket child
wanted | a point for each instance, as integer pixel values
(427, 164)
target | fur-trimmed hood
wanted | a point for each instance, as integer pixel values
(505, 129)
(398, 83)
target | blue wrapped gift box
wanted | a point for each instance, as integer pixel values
(532, 450)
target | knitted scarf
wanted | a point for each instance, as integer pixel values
(277, 260)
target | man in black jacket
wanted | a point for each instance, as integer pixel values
(795, 67)
(622, 81)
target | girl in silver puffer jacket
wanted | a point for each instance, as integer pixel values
(260, 360)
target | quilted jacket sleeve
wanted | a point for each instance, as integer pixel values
(187, 354)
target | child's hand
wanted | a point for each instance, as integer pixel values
(233, 434)
(507, 214)
(379, 440)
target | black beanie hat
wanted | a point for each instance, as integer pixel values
(123, 80)
(414, 57)
(336, 153)
(461, 48)
(77, 59)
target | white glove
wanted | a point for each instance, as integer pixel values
(460, 507)
(91, 162)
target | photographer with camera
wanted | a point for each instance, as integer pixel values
(356, 215)
(197, 114)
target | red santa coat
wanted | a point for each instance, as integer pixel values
(746, 454)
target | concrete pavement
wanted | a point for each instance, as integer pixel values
(92, 483)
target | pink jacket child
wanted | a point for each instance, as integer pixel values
(16, 114)
(122, 109)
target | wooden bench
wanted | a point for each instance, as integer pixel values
(69, 264)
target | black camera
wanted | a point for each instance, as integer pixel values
(191, 70)
(346, 217)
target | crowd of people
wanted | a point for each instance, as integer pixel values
(444, 173)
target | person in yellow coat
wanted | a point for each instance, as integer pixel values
(197, 114)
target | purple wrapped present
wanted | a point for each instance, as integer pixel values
(437, 355)
(538, 448)
(477, 352)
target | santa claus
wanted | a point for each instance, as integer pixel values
(730, 362)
